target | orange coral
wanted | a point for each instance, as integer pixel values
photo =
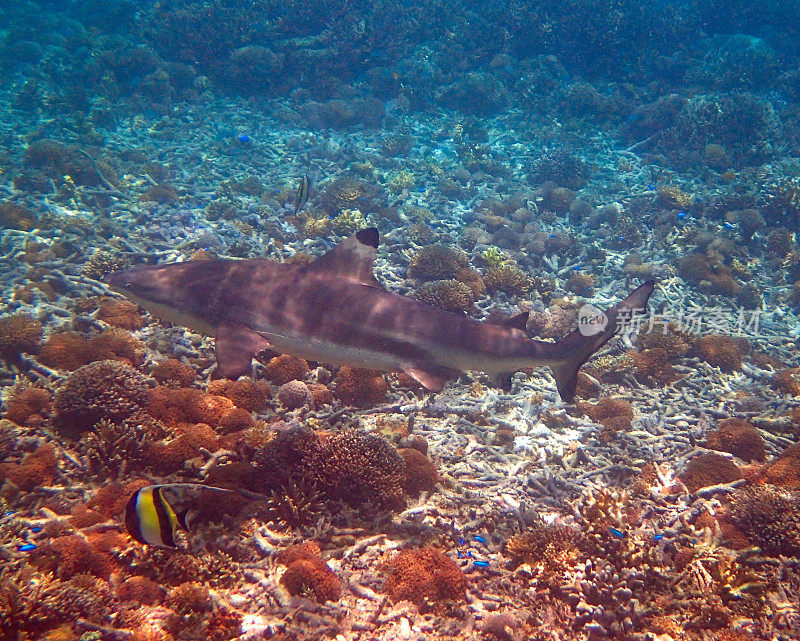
(305, 570)
(246, 393)
(73, 554)
(141, 590)
(175, 406)
(787, 381)
(613, 413)
(36, 469)
(284, 368)
(110, 500)
(173, 373)
(738, 437)
(419, 472)
(19, 333)
(320, 394)
(29, 406)
(169, 456)
(719, 350)
(653, 366)
(785, 470)
(709, 469)
(69, 350)
(424, 575)
(356, 386)
(120, 313)
(235, 420)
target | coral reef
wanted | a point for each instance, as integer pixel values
(284, 368)
(719, 350)
(19, 334)
(101, 390)
(306, 572)
(770, 516)
(709, 469)
(437, 262)
(452, 295)
(419, 472)
(424, 576)
(738, 437)
(360, 387)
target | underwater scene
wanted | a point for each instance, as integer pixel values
(382, 321)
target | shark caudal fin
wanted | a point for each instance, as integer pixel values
(594, 330)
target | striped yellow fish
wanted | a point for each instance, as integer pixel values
(154, 513)
(301, 195)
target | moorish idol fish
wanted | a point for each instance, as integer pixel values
(301, 195)
(154, 513)
(335, 311)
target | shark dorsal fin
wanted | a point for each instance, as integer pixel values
(352, 259)
(518, 321)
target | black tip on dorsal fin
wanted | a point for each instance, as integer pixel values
(369, 236)
(518, 321)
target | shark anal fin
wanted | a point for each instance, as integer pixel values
(235, 347)
(352, 259)
(431, 378)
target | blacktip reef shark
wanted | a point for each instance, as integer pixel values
(335, 311)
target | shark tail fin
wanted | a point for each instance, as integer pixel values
(593, 332)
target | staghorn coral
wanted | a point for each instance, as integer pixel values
(306, 572)
(419, 472)
(770, 516)
(738, 437)
(452, 295)
(424, 576)
(294, 504)
(120, 313)
(709, 469)
(358, 468)
(284, 368)
(19, 334)
(437, 262)
(101, 390)
(720, 350)
(36, 469)
(112, 448)
(550, 547)
(360, 387)
(174, 373)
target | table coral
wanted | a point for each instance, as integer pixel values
(423, 576)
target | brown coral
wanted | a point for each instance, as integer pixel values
(173, 373)
(307, 572)
(770, 516)
(419, 472)
(69, 350)
(284, 368)
(785, 470)
(104, 389)
(738, 437)
(786, 381)
(708, 273)
(438, 262)
(140, 590)
(14, 216)
(176, 406)
(245, 393)
(653, 366)
(551, 546)
(613, 413)
(509, 278)
(424, 576)
(36, 469)
(720, 350)
(73, 554)
(120, 313)
(709, 469)
(19, 334)
(451, 294)
(28, 406)
(360, 387)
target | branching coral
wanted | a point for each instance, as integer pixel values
(770, 516)
(246, 393)
(295, 504)
(509, 278)
(70, 350)
(174, 373)
(28, 405)
(120, 313)
(111, 448)
(101, 390)
(358, 468)
(424, 576)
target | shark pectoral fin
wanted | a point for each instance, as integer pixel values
(503, 380)
(431, 378)
(518, 321)
(235, 347)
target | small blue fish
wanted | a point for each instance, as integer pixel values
(658, 537)
(728, 225)
(681, 214)
(26, 547)
(36, 529)
(244, 139)
(481, 564)
(615, 532)
(480, 539)
(301, 195)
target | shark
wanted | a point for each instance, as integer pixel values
(334, 310)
